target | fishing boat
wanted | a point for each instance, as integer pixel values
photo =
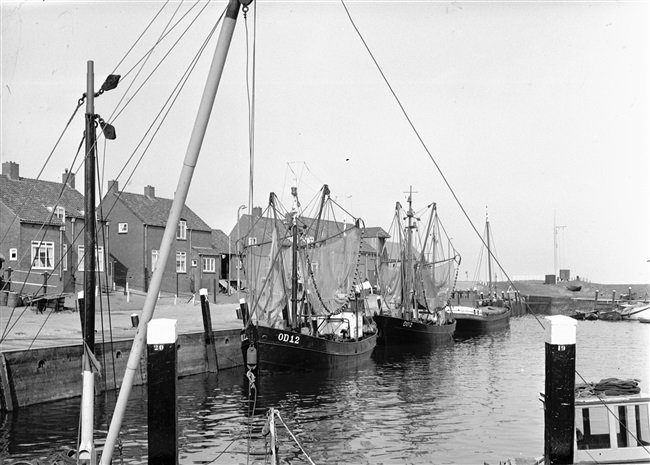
(482, 313)
(306, 307)
(415, 280)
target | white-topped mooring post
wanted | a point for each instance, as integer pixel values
(559, 397)
(161, 389)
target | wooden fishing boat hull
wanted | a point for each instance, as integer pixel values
(281, 350)
(394, 330)
(483, 320)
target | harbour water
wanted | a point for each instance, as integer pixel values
(473, 401)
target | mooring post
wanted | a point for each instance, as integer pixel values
(243, 306)
(210, 348)
(80, 307)
(613, 297)
(559, 397)
(161, 390)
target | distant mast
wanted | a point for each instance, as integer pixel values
(487, 233)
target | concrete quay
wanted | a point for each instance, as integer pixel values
(24, 327)
(41, 353)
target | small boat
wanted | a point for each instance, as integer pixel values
(411, 277)
(574, 288)
(474, 321)
(635, 311)
(306, 311)
(489, 313)
(610, 315)
(612, 429)
(609, 430)
(644, 320)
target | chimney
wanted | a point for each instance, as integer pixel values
(150, 192)
(257, 212)
(68, 178)
(11, 170)
(113, 187)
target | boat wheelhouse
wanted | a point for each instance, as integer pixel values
(612, 430)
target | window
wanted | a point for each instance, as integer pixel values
(155, 255)
(252, 241)
(593, 428)
(13, 254)
(181, 262)
(42, 255)
(209, 264)
(181, 231)
(59, 212)
(122, 228)
(64, 259)
(99, 258)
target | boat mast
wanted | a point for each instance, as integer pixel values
(191, 157)
(326, 192)
(487, 233)
(433, 255)
(409, 288)
(294, 257)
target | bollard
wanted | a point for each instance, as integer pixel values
(210, 347)
(162, 392)
(244, 310)
(81, 307)
(559, 397)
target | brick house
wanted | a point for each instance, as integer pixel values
(256, 229)
(136, 224)
(42, 233)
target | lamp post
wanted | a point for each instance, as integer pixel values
(237, 248)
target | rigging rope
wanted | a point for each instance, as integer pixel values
(426, 149)
(277, 414)
(38, 177)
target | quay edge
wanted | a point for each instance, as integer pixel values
(33, 376)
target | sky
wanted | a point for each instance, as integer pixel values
(535, 113)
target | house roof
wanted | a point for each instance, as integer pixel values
(262, 229)
(153, 211)
(206, 250)
(33, 200)
(220, 241)
(376, 231)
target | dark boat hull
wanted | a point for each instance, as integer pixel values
(280, 350)
(469, 325)
(400, 331)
